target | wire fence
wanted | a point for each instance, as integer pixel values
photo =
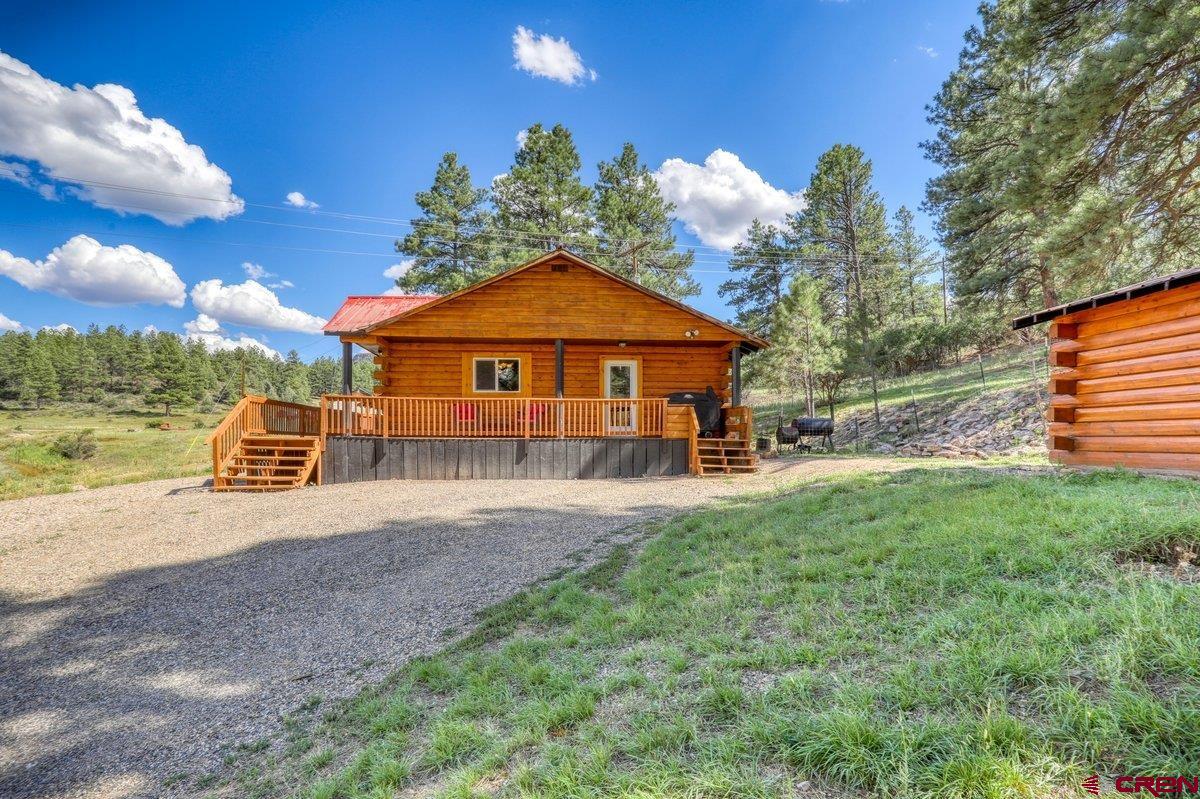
(918, 402)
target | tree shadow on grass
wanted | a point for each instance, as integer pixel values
(156, 674)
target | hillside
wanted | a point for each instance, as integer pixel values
(956, 411)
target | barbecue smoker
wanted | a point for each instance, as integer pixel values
(803, 427)
(707, 407)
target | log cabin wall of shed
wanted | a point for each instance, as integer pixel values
(1125, 384)
(436, 369)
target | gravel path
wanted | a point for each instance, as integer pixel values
(146, 628)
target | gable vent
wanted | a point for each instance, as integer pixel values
(559, 268)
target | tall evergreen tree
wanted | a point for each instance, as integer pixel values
(542, 203)
(38, 381)
(761, 271)
(173, 382)
(845, 226)
(1066, 137)
(449, 243)
(913, 259)
(634, 224)
(802, 343)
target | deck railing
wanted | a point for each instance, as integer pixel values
(491, 417)
(254, 415)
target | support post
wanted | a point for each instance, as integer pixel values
(735, 357)
(560, 410)
(347, 387)
(347, 367)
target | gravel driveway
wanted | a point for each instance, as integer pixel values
(146, 628)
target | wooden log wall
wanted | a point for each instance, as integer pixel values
(1125, 384)
(436, 368)
(349, 459)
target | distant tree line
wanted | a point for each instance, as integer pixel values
(157, 368)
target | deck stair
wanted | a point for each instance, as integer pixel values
(269, 462)
(725, 456)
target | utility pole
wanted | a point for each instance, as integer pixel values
(634, 251)
(243, 373)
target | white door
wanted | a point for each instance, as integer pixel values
(620, 383)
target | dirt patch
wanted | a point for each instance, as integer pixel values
(1175, 559)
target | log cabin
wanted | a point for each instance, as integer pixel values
(1125, 376)
(556, 368)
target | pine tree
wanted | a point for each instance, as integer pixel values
(912, 256)
(634, 223)
(761, 269)
(449, 243)
(38, 380)
(295, 385)
(802, 344)
(172, 379)
(845, 225)
(541, 203)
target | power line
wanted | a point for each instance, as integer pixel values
(765, 255)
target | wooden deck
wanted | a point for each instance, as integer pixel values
(266, 444)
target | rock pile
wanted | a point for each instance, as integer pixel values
(998, 423)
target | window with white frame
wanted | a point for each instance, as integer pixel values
(498, 374)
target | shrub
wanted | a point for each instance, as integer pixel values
(154, 424)
(77, 446)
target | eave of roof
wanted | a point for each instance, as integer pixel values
(360, 311)
(1152, 286)
(752, 342)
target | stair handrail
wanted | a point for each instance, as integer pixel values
(252, 414)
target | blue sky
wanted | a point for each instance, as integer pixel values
(353, 107)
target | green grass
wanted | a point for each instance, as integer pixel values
(1005, 369)
(931, 633)
(128, 451)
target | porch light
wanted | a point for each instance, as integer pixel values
(620, 343)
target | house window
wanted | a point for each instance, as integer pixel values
(498, 374)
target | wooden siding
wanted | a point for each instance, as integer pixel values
(350, 459)
(1125, 388)
(436, 368)
(542, 302)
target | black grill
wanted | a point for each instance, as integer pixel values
(813, 426)
(706, 405)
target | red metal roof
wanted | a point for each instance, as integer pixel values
(361, 311)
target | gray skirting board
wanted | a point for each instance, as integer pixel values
(350, 459)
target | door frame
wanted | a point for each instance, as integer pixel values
(635, 393)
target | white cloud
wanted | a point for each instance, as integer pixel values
(85, 270)
(718, 200)
(547, 57)
(251, 304)
(208, 332)
(522, 137)
(85, 136)
(282, 284)
(149, 330)
(7, 324)
(928, 51)
(255, 271)
(397, 271)
(60, 328)
(299, 200)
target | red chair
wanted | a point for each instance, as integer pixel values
(464, 412)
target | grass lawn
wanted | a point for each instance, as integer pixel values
(128, 451)
(931, 633)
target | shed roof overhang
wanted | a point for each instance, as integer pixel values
(1152, 286)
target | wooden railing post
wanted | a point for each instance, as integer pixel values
(525, 415)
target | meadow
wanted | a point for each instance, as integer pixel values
(128, 448)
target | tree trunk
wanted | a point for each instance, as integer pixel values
(875, 394)
(1049, 295)
(166, 409)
